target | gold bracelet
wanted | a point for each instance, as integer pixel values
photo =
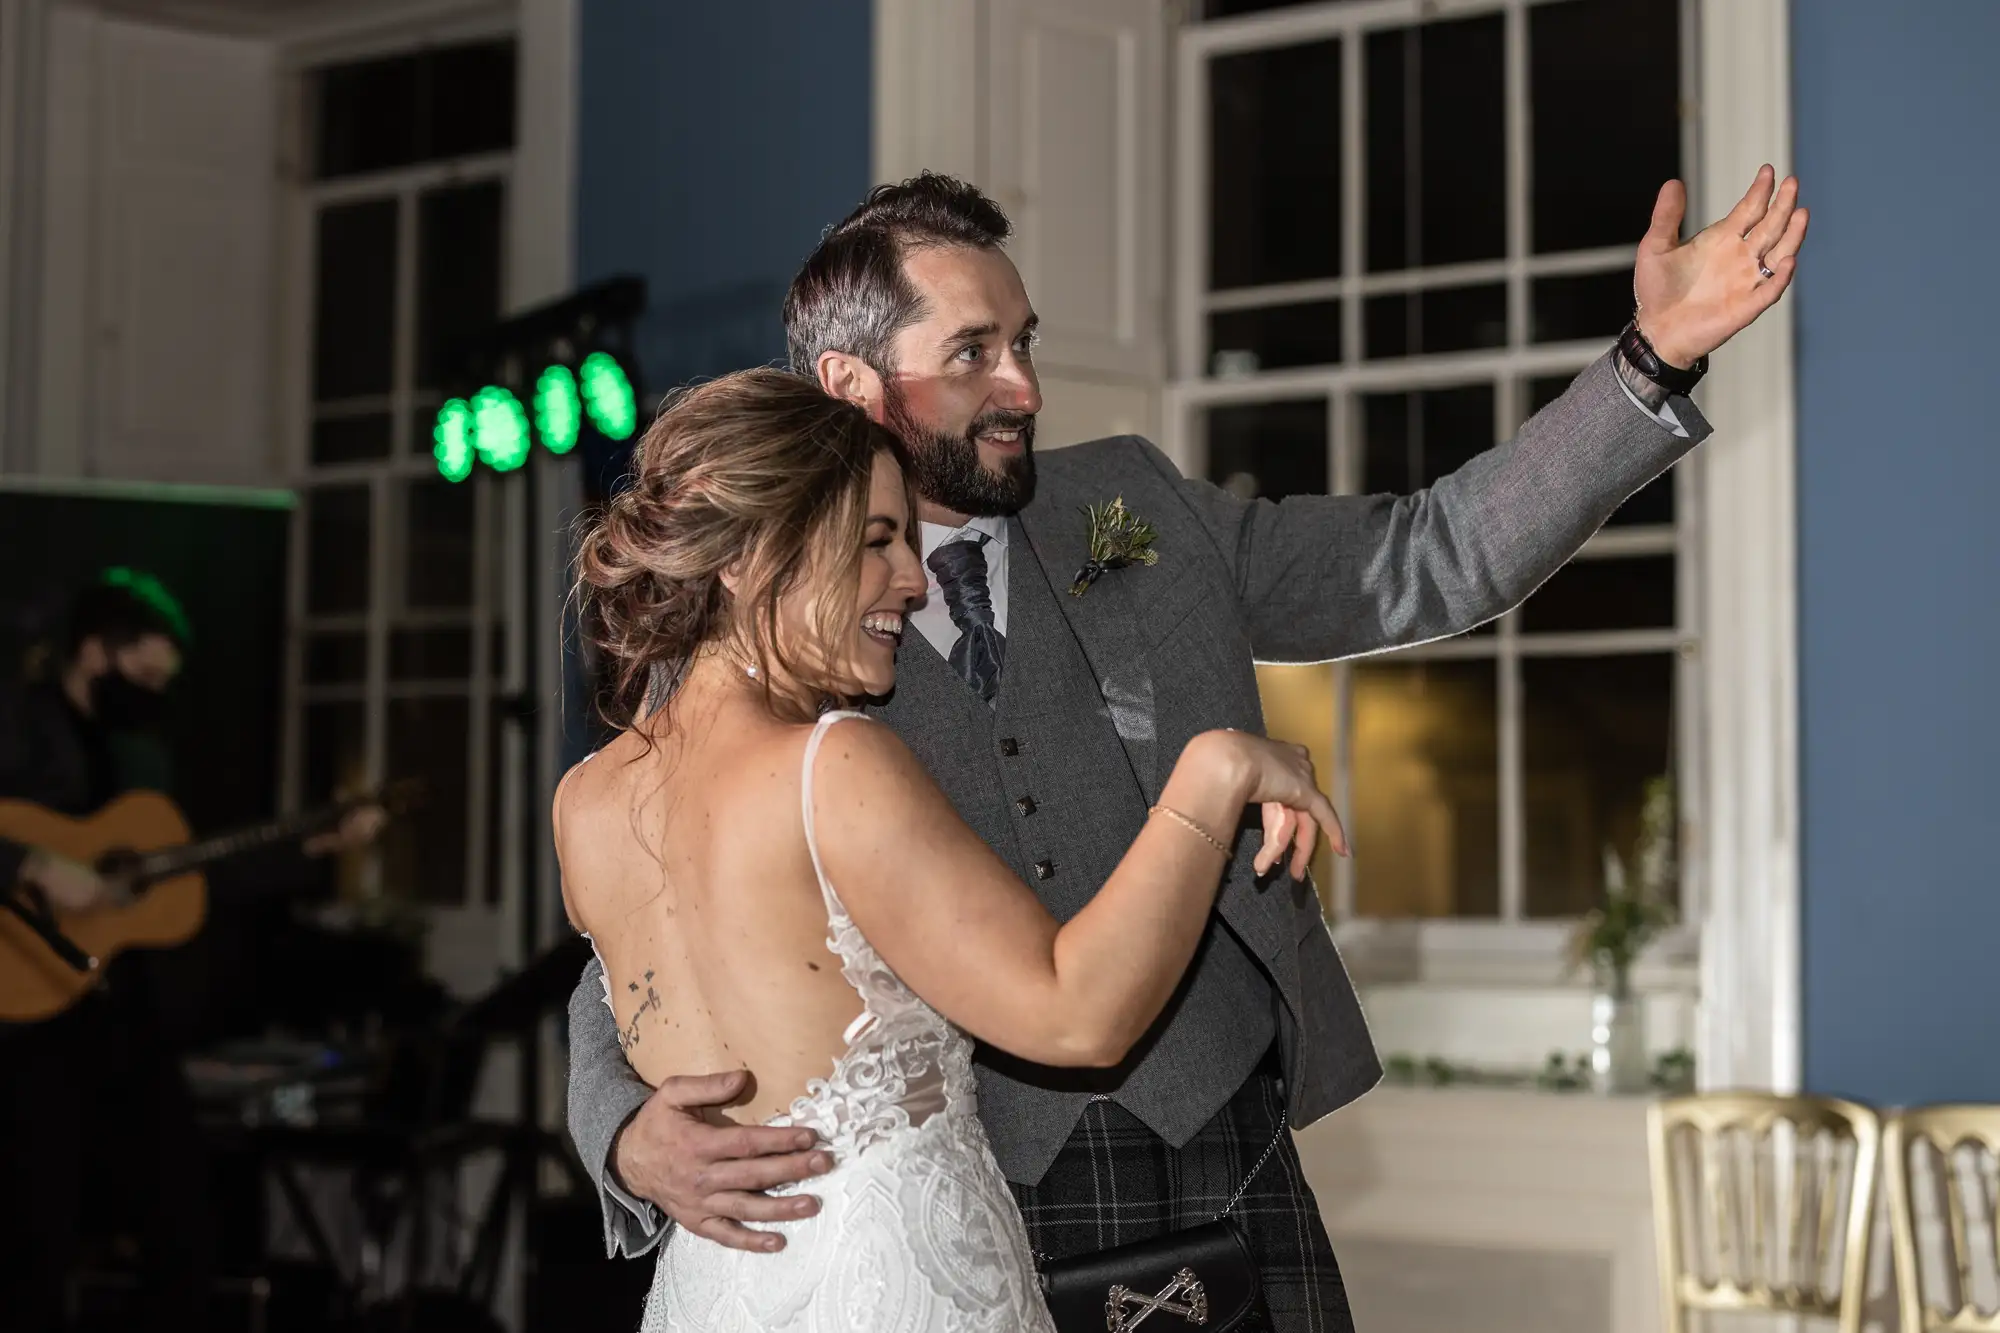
(1189, 824)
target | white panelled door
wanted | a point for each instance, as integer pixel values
(1075, 92)
(158, 305)
(1056, 108)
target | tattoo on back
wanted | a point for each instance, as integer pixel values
(628, 1036)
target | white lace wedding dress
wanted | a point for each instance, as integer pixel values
(917, 1232)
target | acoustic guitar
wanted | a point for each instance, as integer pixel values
(141, 842)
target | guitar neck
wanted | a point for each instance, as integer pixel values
(171, 861)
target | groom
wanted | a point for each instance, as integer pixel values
(1051, 719)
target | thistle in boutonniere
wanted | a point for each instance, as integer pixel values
(1118, 538)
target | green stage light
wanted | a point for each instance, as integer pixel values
(558, 410)
(500, 428)
(614, 410)
(453, 436)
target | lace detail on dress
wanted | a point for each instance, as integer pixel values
(917, 1231)
(903, 1062)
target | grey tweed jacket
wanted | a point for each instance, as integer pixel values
(1102, 691)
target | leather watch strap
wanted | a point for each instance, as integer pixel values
(1637, 353)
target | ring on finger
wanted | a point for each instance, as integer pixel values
(1765, 270)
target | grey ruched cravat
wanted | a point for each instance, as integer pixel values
(981, 648)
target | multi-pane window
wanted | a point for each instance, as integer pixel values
(401, 624)
(1406, 229)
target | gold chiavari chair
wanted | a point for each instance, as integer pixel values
(1969, 1192)
(1759, 1199)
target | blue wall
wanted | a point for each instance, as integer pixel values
(1897, 126)
(718, 139)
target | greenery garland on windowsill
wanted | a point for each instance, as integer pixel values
(1673, 1074)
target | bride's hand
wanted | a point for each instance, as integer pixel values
(1285, 827)
(1282, 781)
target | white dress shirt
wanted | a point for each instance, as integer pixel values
(933, 617)
(1665, 416)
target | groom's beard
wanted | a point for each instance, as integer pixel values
(945, 468)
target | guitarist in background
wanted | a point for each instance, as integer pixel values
(95, 1112)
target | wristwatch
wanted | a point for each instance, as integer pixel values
(1636, 352)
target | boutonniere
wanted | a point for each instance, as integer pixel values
(1118, 537)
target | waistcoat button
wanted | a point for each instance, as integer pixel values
(1045, 870)
(1010, 747)
(1026, 805)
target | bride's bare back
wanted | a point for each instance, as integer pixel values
(687, 863)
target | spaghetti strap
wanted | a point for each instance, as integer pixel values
(833, 905)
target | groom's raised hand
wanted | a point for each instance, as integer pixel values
(711, 1178)
(1697, 294)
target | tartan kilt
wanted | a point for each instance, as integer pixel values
(1116, 1181)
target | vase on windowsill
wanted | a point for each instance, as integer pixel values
(1611, 937)
(1618, 1063)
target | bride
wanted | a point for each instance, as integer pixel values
(781, 888)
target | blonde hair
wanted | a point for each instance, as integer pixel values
(760, 474)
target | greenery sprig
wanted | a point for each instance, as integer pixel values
(1118, 537)
(1611, 936)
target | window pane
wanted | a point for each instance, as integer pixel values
(1242, 342)
(1301, 706)
(503, 837)
(441, 653)
(1412, 439)
(1579, 305)
(1604, 81)
(379, 114)
(1426, 792)
(367, 116)
(1447, 319)
(354, 330)
(334, 763)
(1595, 730)
(423, 425)
(336, 659)
(424, 857)
(470, 94)
(1269, 449)
(1437, 144)
(1654, 502)
(458, 272)
(337, 531)
(438, 523)
(352, 439)
(1590, 595)
(1274, 177)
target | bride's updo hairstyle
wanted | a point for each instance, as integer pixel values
(759, 473)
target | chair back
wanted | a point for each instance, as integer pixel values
(1762, 1203)
(1948, 1158)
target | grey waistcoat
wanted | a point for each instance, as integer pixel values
(1044, 778)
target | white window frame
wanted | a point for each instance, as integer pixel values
(1734, 532)
(496, 600)
(473, 944)
(1479, 943)
(539, 257)
(1748, 1033)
